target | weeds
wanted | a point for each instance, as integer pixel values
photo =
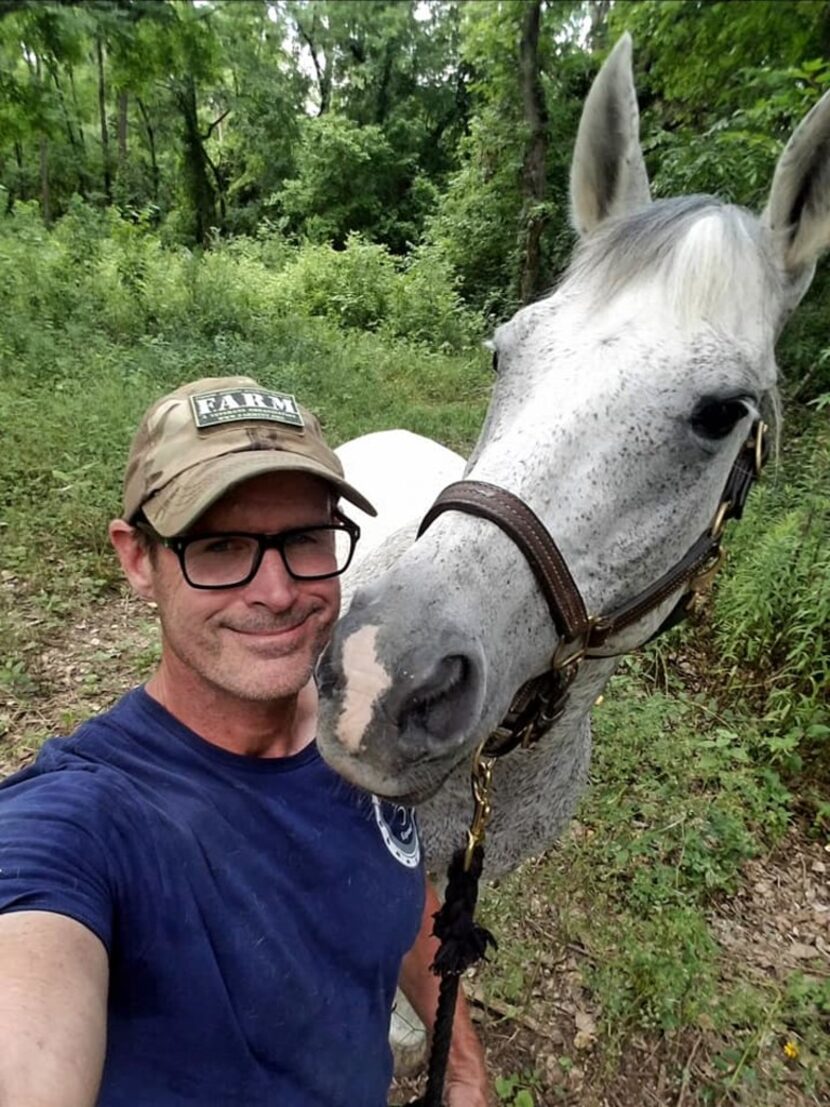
(772, 609)
(517, 1089)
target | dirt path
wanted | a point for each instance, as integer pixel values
(549, 1041)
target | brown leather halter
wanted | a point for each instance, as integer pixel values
(540, 701)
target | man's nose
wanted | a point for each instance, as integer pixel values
(273, 585)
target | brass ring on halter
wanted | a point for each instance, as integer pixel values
(760, 437)
(720, 519)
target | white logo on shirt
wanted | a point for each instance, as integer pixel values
(399, 831)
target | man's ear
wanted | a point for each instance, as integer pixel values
(135, 557)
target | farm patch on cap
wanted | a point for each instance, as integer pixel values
(232, 405)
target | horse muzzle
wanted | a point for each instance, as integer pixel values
(396, 721)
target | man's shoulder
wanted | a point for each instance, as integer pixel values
(82, 763)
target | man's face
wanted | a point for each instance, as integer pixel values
(259, 641)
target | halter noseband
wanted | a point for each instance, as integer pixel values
(540, 701)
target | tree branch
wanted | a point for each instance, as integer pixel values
(215, 124)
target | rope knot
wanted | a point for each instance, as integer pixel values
(463, 941)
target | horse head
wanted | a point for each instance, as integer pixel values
(620, 404)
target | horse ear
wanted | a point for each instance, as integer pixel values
(608, 175)
(798, 209)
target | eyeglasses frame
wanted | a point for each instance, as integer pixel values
(178, 544)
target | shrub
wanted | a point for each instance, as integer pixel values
(772, 609)
(350, 286)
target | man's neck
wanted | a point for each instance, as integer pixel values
(276, 728)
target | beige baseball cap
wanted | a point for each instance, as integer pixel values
(200, 441)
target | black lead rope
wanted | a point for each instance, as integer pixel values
(464, 942)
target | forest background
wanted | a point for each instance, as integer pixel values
(341, 199)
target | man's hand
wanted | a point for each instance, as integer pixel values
(467, 1084)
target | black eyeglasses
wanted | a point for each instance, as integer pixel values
(231, 559)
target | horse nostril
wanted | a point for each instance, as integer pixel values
(439, 705)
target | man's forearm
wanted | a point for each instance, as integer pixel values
(466, 1072)
(53, 989)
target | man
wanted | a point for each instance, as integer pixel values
(194, 910)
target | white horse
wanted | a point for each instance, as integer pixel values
(620, 404)
(405, 473)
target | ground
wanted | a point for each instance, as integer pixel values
(546, 1045)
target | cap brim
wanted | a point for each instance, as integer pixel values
(177, 506)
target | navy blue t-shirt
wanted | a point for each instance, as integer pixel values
(255, 911)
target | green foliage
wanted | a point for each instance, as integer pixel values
(351, 286)
(399, 120)
(97, 272)
(349, 179)
(474, 231)
(660, 973)
(478, 223)
(205, 112)
(772, 609)
(804, 355)
(677, 805)
(758, 1022)
(698, 58)
(517, 1089)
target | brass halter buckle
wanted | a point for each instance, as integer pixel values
(760, 447)
(703, 580)
(482, 779)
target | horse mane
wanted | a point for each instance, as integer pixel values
(709, 259)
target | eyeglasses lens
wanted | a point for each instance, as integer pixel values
(226, 560)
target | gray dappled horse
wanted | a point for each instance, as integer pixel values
(621, 402)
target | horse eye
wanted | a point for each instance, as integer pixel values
(715, 419)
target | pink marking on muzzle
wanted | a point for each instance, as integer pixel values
(366, 682)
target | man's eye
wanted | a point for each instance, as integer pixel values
(224, 545)
(304, 538)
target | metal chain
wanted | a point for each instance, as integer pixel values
(481, 782)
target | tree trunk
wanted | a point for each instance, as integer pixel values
(123, 101)
(78, 115)
(202, 195)
(323, 71)
(102, 111)
(598, 23)
(67, 122)
(43, 152)
(75, 142)
(534, 182)
(17, 181)
(151, 143)
(45, 200)
(220, 189)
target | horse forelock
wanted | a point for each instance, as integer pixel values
(708, 262)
